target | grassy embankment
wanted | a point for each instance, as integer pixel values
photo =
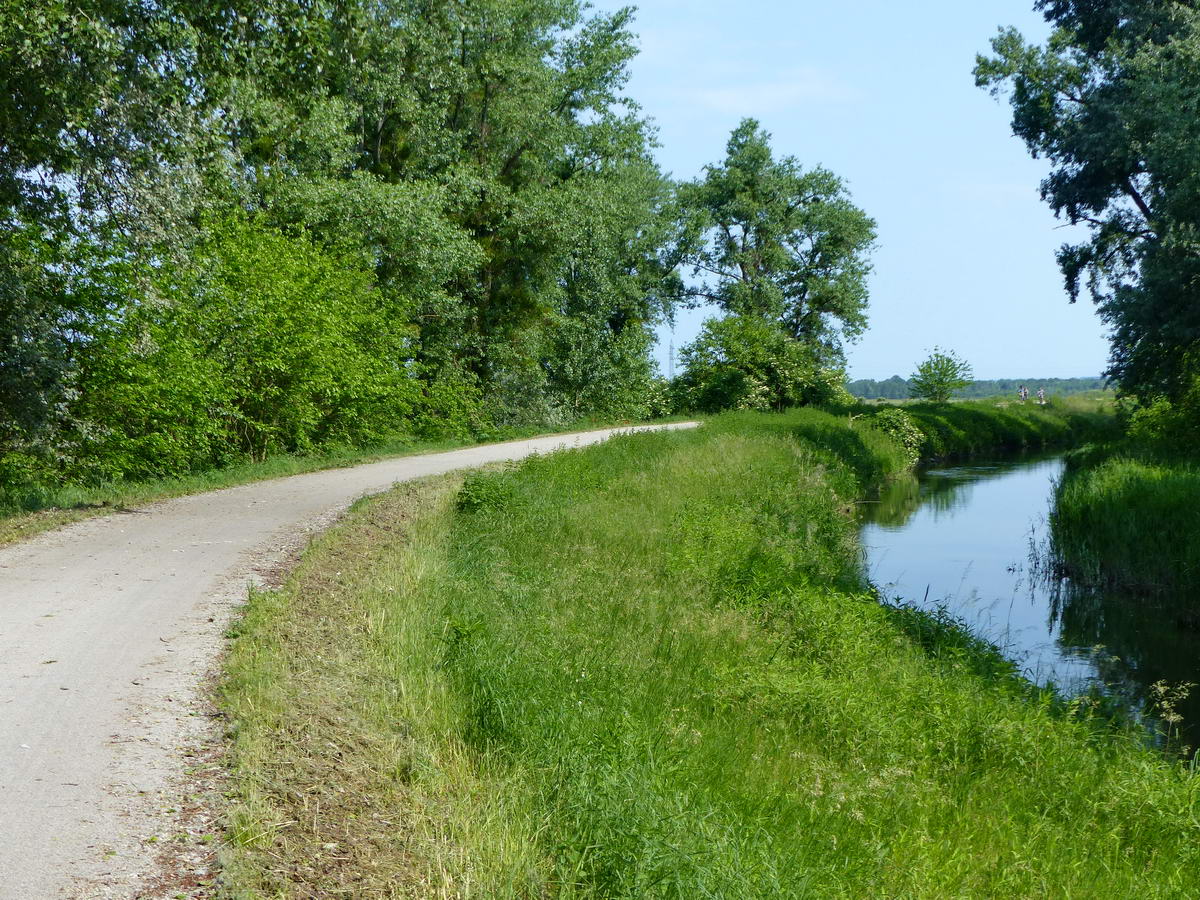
(1129, 520)
(32, 511)
(968, 428)
(652, 669)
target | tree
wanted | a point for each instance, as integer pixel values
(519, 119)
(89, 97)
(939, 376)
(1111, 101)
(86, 94)
(464, 186)
(747, 362)
(773, 240)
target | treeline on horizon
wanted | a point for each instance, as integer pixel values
(234, 229)
(897, 388)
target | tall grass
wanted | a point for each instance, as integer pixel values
(651, 669)
(1127, 523)
(964, 429)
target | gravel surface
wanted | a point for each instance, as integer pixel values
(108, 630)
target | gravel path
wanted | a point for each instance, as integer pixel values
(108, 629)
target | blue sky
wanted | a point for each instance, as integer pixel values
(881, 93)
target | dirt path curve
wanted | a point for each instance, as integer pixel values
(107, 628)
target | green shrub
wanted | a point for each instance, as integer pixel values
(486, 491)
(265, 344)
(1167, 428)
(900, 426)
(939, 377)
(450, 405)
(746, 362)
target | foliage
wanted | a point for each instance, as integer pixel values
(491, 242)
(80, 121)
(939, 376)
(554, 694)
(1165, 429)
(770, 239)
(233, 229)
(35, 371)
(900, 427)
(894, 388)
(539, 161)
(748, 362)
(1109, 101)
(268, 345)
(485, 491)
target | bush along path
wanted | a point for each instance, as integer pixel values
(654, 669)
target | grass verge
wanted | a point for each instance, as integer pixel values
(651, 669)
(1129, 524)
(973, 427)
(46, 508)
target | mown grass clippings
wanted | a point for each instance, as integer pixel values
(329, 810)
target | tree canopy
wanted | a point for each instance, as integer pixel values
(939, 376)
(1111, 102)
(771, 239)
(250, 226)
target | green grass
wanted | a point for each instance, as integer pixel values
(651, 669)
(33, 510)
(973, 427)
(1128, 523)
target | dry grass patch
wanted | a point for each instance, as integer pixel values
(347, 777)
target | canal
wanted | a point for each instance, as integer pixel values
(973, 540)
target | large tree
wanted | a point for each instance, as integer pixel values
(509, 116)
(939, 375)
(92, 96)
(479, 157)
(1112, 101)
(777, 241)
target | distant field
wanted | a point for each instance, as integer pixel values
(897, 388)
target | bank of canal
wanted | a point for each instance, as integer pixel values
(971, 539)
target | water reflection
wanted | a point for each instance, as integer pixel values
(1147, 642)
(972, 539)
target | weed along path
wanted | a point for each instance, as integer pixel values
(107, 630)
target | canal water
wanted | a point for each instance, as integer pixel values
(973, 540)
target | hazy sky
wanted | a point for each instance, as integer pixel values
(881, 93)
